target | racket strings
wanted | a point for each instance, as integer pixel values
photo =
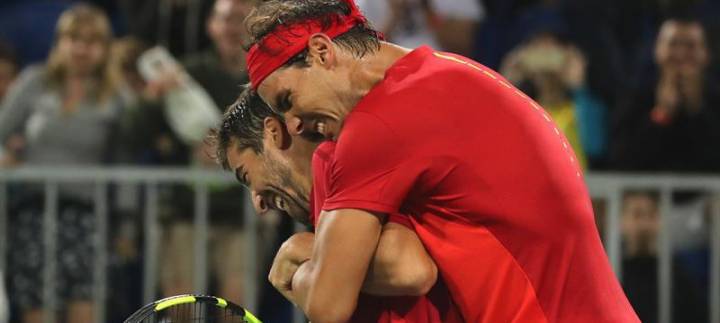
(197, 312)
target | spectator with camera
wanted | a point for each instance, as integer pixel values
(171, 108)
(552, 72)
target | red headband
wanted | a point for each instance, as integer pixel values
(286, 41)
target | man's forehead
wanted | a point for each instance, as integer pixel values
(240, 157)
(674, 29)
(279, 82)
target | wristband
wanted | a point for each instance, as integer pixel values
(660, 116)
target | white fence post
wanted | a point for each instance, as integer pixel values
(101, 251)
(665, 258)
(152, 241)
(50, 239)
(715, 260)
(200, 237)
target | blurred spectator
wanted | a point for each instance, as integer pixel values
(640, 226)
(8, 71)
(174, 24)
(553, 73)
(220, 72)
(65, 111)
(600, 29)
(509, 22)
(8, 68)
(669, 122)
(443, 25)
(146, 137)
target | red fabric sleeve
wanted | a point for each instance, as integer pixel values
(371, 170)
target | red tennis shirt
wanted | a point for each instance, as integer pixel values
(491, 185)
(434, 307)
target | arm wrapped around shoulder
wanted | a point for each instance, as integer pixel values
(401, 265)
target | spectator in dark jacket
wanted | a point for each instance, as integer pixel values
(671, 120)
(640, 228)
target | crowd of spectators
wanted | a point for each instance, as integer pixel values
(632, 84)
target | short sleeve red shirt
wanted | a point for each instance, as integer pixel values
(434, 307)
(491, 185)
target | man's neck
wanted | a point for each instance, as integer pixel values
(370, 70)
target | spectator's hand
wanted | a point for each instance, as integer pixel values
(291, 255)
(575, 65)
(512, 67)
(157, 89)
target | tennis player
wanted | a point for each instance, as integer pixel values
(492, 187)
(254, 143)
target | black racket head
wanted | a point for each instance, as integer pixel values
(191, 308)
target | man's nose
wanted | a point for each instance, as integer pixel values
(259, 203)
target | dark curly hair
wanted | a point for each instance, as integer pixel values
(360, 40)
(243, 123)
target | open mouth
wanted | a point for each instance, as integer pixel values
(318, 128)
(285, 202)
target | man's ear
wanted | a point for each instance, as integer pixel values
(276, 133)
(321, 50)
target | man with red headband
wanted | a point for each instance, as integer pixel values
(491, 186)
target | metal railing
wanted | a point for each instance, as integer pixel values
(150, 179)
(608, 187)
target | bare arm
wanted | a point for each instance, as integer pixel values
(327, 286)
(401, 265)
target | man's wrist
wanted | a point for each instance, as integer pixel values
(299, 284)
(299, 247)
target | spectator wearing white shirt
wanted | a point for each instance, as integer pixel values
(443, 25)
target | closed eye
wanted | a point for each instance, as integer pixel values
(241, 176)
(283, 103)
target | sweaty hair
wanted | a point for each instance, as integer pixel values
(360, 40)
(242, 125)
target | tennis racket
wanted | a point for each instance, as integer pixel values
(192, 309)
